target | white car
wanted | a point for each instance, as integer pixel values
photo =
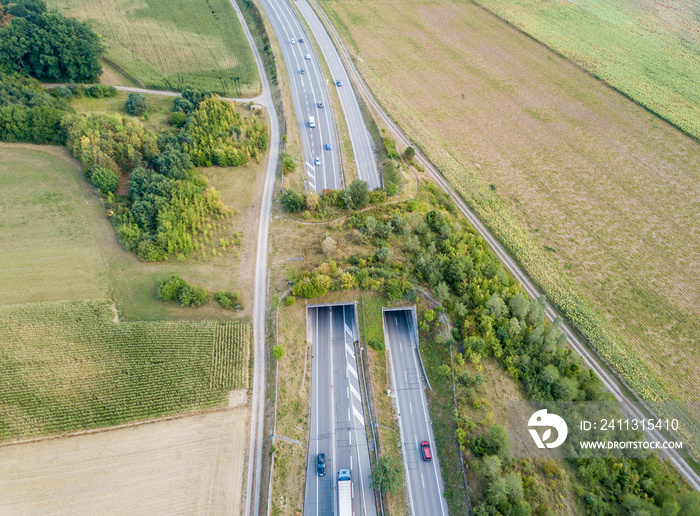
(317, 162)
(308, 57)
(292, 41)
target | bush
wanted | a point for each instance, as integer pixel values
(290, 300)
(288, 163)
(315, 286)
(358, 194)
(292, 201)
(377, 345)
(99, 91)
(278, 352)
(377, 196)
(168, 288)
(190, 295)
(136, 105)
(178, 118)
(228, 299)
(104, 179)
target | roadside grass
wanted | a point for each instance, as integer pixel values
(70, 366)
(590, 192)
(293, 391)
(112, 76)
(168, 45)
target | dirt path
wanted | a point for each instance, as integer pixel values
(190, 465)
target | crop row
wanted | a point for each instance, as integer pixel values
(69, 366)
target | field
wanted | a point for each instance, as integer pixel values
(647, 50)
(41, 225)
(70, 366)
(167, 45)
(189, 465)
(595, 196)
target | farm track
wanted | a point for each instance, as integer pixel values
(257, 419)
(610, 379)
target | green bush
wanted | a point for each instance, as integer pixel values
(178, 118)
(99, 91)
(168, 288)
(292, 201)
(290, 300)
(228, 299)
(288, 163)
(104, 179)
(190, 295)
(135, 104)
(377, 345)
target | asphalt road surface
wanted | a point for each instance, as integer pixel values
(308, 90)
(362, 145)
(423, 478)
(337, 421)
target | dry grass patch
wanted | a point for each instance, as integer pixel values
(596, 196)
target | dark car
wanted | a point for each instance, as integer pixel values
(320, 104)
(425, 449)
(321, 464)
(301, 40)
(328, 146)
(338, 82)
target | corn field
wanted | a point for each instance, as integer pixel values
(69, 366)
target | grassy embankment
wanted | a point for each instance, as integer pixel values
(167, 45)
(589, 191)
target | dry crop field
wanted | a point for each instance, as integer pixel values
(648, 50)
(167, 45)
(597, 197)
(188, 465)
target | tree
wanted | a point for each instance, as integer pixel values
(491, 466)
(135, 104)
(386, 474)
(359, 193)
(519, 306)
(409, 154)
(312, 200)
(173, 163)
(288, 163)
(292, 201)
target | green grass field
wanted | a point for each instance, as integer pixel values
(167, 45)
(646, 50)
(48, 225)
(69, 366)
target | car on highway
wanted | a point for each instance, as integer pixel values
(328, 146)
(292, 41)
(307, 57)
(321, 464)
(301, 40)
(320, 104)
(338, 82)
(317, 161)
(302, 71)
(425, 450)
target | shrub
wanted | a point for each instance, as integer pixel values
(169, 287)
(358, 193)
(135, 104)
(99, 91)
(228, 299)
(292, 201)
(104, 179)
(377, 196)
(377, 345)
(190, 295)
(278, 352)
(288, 163)
(315, 286)
(178, 118)
(290, 300)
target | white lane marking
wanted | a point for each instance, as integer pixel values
(405, 376)
(354, 373)
(350, 462)
(422, 480)
(358, 415)
(350, 350)
(396, 320)
(400, 347)
(348, 331)
(354, 391)
(410, 405)
(347, 392)
(348, 413)
(350, 437)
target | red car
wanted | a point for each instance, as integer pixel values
(425, 449)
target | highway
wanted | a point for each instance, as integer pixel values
(423, 478)
(362, 144)
(308, 90)
(336, 424)
(610, 379)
